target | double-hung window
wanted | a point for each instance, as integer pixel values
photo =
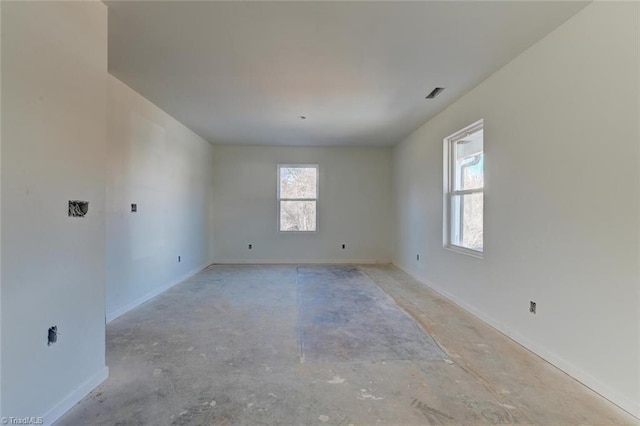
(298, 197)
(464, 189)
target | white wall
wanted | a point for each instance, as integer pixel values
(354, 205)
(0, 207)
(165, 168)
(54, 69)
(561, 203)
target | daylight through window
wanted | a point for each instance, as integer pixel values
(464, 204)
(298, 197)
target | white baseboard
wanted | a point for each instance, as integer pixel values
(627, 404)
(129, 306)
(76, 396)
(299, 262)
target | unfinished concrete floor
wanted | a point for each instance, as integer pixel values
(244, 345)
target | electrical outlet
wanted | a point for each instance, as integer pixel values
(417, 257)
(179, 259)
(134, 208)
(344, 246)
(532, 307)
(52, 335)
(250, 246)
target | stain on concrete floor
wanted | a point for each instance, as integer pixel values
(222, 349)
(345, 317)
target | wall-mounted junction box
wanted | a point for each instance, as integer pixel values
(78, 208)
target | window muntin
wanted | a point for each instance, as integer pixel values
(464, 207)
(298, 198)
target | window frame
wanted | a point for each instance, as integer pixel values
(279, 199)
(449, 191)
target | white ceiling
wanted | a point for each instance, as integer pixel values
(243, 72)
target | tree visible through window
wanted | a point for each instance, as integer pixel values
(465, 194)
(298, 197)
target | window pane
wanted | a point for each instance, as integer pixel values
(297, 215)
(466, 221)
(298, 182)
(468, 162)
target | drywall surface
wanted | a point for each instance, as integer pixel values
(165, 169)
(54, 69)
(354, 205)
(0, 207)
(561, 201)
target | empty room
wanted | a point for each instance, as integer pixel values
(319, 212)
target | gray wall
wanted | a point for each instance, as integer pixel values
(354, 206)
(561, 201)
(54, 69)
(164, 168)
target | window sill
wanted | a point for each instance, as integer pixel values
(468, 252)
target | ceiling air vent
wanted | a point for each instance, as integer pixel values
(435, 92)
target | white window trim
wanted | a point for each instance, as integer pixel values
(317, 199)
(449, 193)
